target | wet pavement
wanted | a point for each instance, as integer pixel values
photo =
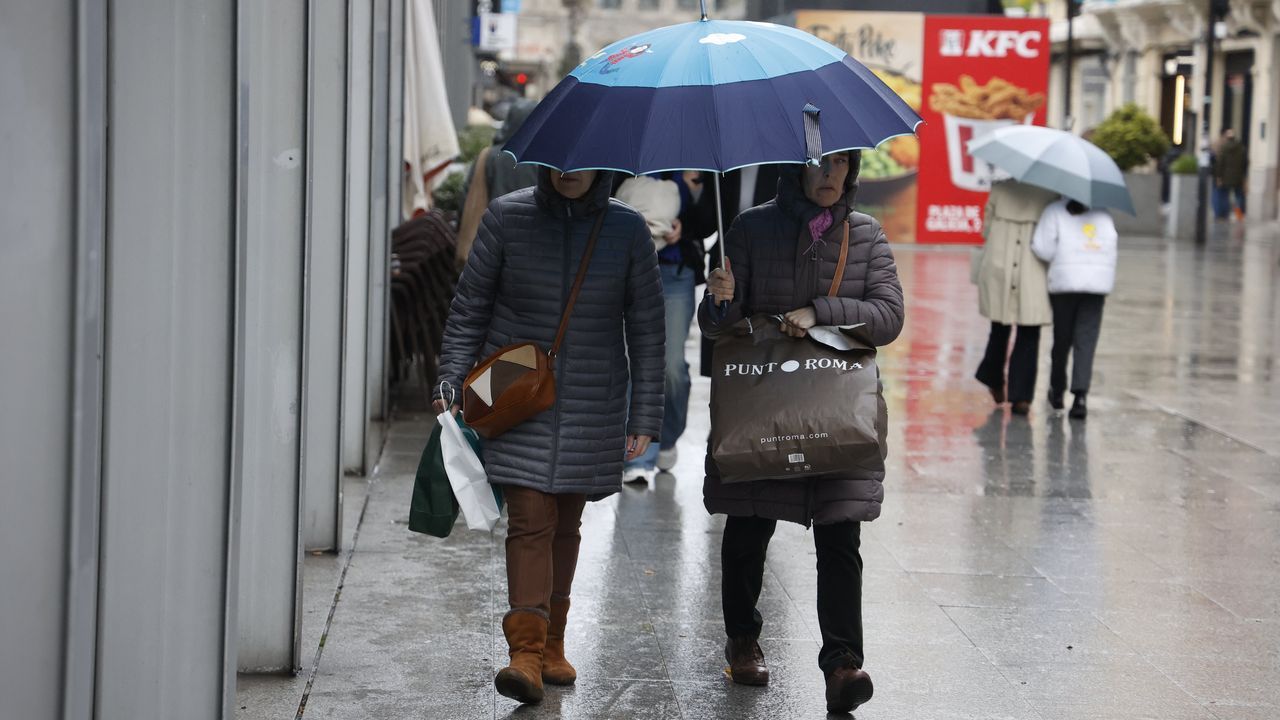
(1027, 568)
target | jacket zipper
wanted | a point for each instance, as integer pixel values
(564, 297)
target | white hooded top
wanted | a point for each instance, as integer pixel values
(1080, 249)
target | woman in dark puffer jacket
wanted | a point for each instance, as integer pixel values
(513, 290)
(782, 258)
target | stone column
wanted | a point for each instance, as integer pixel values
(1264, 145)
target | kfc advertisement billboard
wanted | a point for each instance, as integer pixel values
(980, 73)
(966, 75)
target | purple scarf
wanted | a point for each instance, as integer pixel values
(818, 227)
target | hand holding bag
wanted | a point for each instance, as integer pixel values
(517, 382)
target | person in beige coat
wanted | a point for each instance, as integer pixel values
(1012, 291)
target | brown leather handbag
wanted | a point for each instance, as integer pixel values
(518, 382)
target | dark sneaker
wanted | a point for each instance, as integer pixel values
(1022, 407)
(1055, 399)
(847, 688)
(746, 662)
(1079, 410)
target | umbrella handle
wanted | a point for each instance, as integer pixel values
(723, 307)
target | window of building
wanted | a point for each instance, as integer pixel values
(610, 4)
(649, 4)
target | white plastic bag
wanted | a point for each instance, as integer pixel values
(466, 476)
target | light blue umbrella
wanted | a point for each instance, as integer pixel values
(1057, 161)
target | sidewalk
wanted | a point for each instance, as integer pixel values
(1024, 568)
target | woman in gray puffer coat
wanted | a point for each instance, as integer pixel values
(782, 258)
(513, 290)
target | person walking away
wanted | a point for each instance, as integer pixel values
(663, 201)
(1012, 292)
(1228, 175)
(513, 290)
(1079, 245)
(500, 175)
(782, 259)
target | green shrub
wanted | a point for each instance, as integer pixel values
(472, 140)
(1186, 164)
(448, 195)
(1131, 137)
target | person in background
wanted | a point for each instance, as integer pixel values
(663, 201)
(1229, 168)
(501, 176)
(1012, 292)
(608, 377)
(741, 190)
(782, 258)
(1079, 245)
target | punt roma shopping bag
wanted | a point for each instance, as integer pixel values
(784, 407)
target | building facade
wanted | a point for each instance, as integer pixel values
(1154, 53)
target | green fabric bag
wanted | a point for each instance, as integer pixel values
(433, 509)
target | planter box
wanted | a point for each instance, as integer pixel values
(1181, 221)
(1144, 188)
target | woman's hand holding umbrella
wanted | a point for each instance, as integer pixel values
(720, 283)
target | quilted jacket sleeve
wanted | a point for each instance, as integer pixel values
(880, 307)
(712, 320)
(472, 307)
(646, 328)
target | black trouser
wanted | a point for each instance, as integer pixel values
(1022, 363)
(746, 541)
(1077, 320)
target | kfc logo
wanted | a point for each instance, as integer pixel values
(990, 43)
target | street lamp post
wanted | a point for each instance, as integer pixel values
(1068, 122)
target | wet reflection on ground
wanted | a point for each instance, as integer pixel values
(1126, 567)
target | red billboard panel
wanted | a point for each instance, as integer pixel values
(981, 72)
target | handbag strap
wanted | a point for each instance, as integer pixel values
(844, 258)
(577, 282)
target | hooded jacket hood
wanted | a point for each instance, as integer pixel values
(595, 199)
(516, 115)
(792, 200)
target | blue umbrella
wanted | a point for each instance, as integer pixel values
(711, 95)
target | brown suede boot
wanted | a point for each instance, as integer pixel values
(526, 633)
(556, 670)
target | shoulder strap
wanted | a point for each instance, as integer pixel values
(844, 258)
(577, 282)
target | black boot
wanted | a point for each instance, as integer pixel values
(1079, 411)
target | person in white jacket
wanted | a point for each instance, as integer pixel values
(1079, 244)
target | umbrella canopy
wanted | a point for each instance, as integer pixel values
(1058, 161)
(711, 95)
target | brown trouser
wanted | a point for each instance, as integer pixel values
(542, 545)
